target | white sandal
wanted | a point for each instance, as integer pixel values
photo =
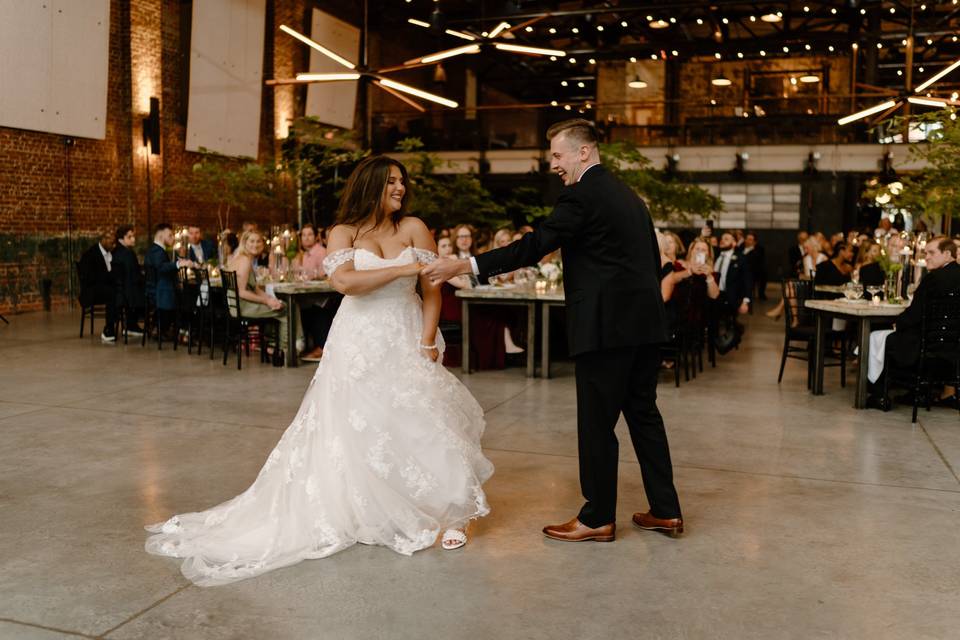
(453, 539)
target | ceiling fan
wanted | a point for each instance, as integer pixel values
(352, 71)
(495, 39)
(897, 100)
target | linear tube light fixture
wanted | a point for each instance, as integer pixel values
(393, 84)
(937, 77)
(537, 51)
(330, 54)
(853, 117)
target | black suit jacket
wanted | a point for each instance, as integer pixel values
(128, 276)
(93, 274)
(163, 294)
(611, 263)
(209, 248)
(739, 283)
(904, 343)
(794, 256)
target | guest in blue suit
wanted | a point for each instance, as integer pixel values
(200, 249)
(162, 275)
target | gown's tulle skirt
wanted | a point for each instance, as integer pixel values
(384, 450)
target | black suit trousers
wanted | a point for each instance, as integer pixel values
(611, 382)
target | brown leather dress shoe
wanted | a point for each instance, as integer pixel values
(576, 531)
(672, 527)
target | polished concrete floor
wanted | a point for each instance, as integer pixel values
(806, 518)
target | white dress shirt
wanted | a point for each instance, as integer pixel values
(107, 256)
(198, 252)
(724, 261)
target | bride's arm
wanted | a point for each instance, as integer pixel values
(423, 241)
(351, 282)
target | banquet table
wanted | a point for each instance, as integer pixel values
(514, 296)
(866, 314)
(293, 294)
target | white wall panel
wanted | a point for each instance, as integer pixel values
(54, 58)
(226, 76)
(333, 103)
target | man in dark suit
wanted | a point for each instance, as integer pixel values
(161, 281)
(128, 277)
(757, 257)
(736, 284)
(902, 347)
(96, 282)
(615, 324)
(200, 249)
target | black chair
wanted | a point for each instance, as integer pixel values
(188, 313)
(800, 327)
(85, 310)
(939, 360)
(204, 312)
(452, 333)
(151, 314)
(237, 328)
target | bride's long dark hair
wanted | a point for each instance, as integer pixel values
(363, 196)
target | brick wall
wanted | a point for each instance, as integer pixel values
(55, 192)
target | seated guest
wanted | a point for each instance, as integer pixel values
(698, 268)
(317, 318)
(200, 249)
(445, 250)
(868, 269)
(673, 248)
(813, 255)
(901, 346)
(837, 271)
(232, 243)
(97, 285)
(161, 289)
(312, 252)
(757, 257)
(254, 301)
(128, 277)
(463, 243)
(796, 252)
(502, 237)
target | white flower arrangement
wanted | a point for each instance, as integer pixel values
(552, 271)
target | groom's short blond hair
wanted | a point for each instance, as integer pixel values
(577, 131)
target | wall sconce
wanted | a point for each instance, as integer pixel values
(741, 162)
(810, 166)
(673, 160)
(151, 127)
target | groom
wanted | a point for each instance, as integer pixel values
(615, 322)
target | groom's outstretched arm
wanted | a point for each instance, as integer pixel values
(562, 226)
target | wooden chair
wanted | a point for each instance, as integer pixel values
(85, 310)
(800, 327)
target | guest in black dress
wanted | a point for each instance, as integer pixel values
(868, 269)
(836, 272)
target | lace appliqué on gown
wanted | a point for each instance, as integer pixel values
(385, 450)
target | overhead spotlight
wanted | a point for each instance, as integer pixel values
(721, 81)
(553, 58)
(581, 85)
(717, 55)
(575, 30)
(740, 162)
(893, 9)
(653, 56)
(592, 61)
(553, 103)
(810, 166)
(929, 41)
(809, 78)
(637, 83)
(599, 27)
(567, 107)
(572, 60)
(673, 21)
(530, 29)
(786, 49)
(771, 17)
(726, 21)
(899, 72)
(863, 12)
(806, 9)
(762, 53)
(623, 23)
(713, 102)
(699, 20)
(753, 18)
(674, 53)
(830, 48)
(564, 83)
(793, 81)
(659, 24)
(807, 47)
(740, 54)
(673, 159)
(633, 58)
(879, 45)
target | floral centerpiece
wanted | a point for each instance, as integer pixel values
(552, 272)
(892, 267)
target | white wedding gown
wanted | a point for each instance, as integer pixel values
(384, 450)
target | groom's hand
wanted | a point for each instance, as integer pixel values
(441, 270)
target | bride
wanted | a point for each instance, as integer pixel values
(385, 448)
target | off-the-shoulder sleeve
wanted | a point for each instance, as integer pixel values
(336, 259)
(424, 256)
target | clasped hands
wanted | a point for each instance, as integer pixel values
(439, 271)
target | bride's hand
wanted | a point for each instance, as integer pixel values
(430, 354)
(412, 269)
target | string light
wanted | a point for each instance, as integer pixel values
(592, 61)
(553, 103)
(574, 30)
(553, 30)
(830, 48)
(633, 59)
(599, 27)
(762, 53)
(659, 24)
(699, 20)
(529, 29)
(623, 23)
(725, 21)
(833, 11)
(563, 83)
(753, 18)
(653, 56)
(786, 49)
(581, 85)
(807, 47)
(717, 55)
(740, 54)
(572, 61)
(674, 53)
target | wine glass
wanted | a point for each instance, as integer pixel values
(911, 289)
(850, 291)
(874, 290)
